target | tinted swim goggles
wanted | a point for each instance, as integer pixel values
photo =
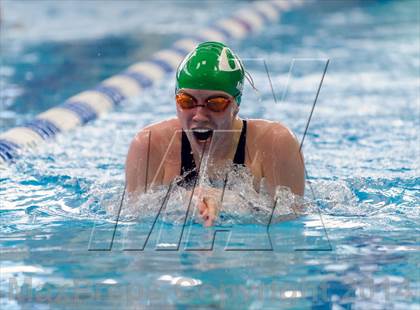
(215, 104)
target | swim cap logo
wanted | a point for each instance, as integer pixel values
(225, 64)
(239, 86)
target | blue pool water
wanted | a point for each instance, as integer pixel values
(357, 248)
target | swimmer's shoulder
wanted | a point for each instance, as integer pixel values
(162, 127)
(159, 132)
(272, 138)
(262, 129)
(158, 139)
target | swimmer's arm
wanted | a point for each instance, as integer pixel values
(142, 164)
(283, 163)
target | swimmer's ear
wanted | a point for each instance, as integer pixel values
(236, 111)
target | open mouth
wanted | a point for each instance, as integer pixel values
(202, 134)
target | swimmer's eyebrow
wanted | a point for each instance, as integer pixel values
(186, 93)
(217, 96)
(207, 98)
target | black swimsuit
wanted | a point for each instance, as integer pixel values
(188, 167)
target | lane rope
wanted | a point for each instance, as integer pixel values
(91, 104)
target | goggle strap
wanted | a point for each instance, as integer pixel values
(250, 81)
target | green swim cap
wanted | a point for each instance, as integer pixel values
(212, 66)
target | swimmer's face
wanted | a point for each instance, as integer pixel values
(201, 118)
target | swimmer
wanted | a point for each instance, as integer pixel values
(209, 84)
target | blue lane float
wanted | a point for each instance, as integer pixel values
(83, 110)
(91, 104)
(139, 77)
(113, 93)
(8, 150)
(43, 127)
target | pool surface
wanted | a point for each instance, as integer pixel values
(358, 247)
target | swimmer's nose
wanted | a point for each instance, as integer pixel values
(201, 114)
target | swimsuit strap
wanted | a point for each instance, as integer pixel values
(188, 167)
(239, 158)
(187, 160)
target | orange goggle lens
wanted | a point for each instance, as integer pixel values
(185, 101)
(216, 104)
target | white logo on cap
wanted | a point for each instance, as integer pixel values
(224, 62)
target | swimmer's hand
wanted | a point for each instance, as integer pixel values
(209, 210)
(209, 204)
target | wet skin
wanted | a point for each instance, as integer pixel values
(272, 151)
